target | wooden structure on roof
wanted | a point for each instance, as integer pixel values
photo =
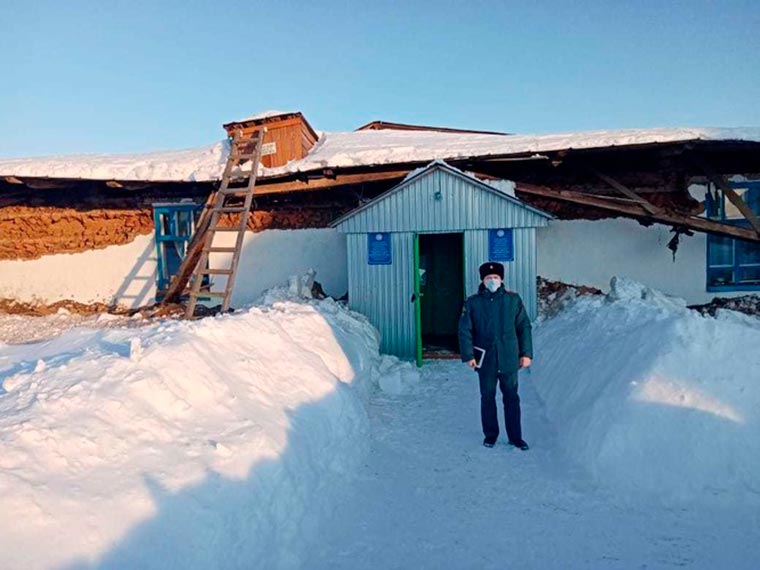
(387, 126)
(288, 136)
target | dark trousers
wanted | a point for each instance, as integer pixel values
(488, 414)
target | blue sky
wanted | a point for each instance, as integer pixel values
(112, 76)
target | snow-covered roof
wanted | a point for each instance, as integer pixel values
(265, 115)
(190, 165)
(357, 148)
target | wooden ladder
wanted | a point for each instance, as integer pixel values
(235, 184)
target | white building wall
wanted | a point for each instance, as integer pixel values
(579, 251)
(585, 252)
(126, 274)
(271, 256)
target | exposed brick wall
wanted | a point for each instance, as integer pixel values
(31, 232)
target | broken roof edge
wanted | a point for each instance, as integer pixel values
(391, 126)
(206, 163)
(439, 164)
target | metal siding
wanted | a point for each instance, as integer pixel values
(383, 292)
(519, 275)
(464, 205)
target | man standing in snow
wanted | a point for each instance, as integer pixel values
(495, 320)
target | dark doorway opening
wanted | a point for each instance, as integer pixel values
(441, 292)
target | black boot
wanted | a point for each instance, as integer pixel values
(520, 444)
(489, 441)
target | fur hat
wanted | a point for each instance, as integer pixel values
(491, 268)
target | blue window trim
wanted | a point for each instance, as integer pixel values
(754, 184)
(170, 237)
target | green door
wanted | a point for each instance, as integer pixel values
(440, 282)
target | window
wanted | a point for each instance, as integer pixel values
(733, 264)
(174, 227)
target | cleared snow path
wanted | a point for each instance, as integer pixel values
(430, 496)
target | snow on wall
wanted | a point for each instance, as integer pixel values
(651, 396)
(585, 252)
(126, 274)
(220, 443)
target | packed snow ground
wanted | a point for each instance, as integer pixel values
(643, 419)
(248, 441)
(430, 496)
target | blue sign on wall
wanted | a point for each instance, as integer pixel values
(501, 246)
(379, 249)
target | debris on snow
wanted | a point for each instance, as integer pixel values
(747, 304)
(395, 376)
(554, 296)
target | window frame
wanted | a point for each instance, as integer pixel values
(736, 266)
(174, 227)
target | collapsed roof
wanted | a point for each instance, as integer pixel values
(639, 173)
(363, 148)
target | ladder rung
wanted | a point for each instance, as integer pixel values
(235, 229)
(228, 191)
(220, 249)
(215, 272)
(208, 294)
(229, 209)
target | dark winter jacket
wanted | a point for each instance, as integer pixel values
(498, 323)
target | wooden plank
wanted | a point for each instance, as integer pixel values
(320, 183)
(648, 206)
(636, 210)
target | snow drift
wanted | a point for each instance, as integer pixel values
(219, 443)
(651, 396)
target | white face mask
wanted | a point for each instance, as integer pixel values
(492, 284)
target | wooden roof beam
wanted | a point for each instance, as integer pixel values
(721, 182)
(263, 188)
(636, 210)
(646, 204)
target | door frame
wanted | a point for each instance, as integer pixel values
(417, 303)
(416, 297)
